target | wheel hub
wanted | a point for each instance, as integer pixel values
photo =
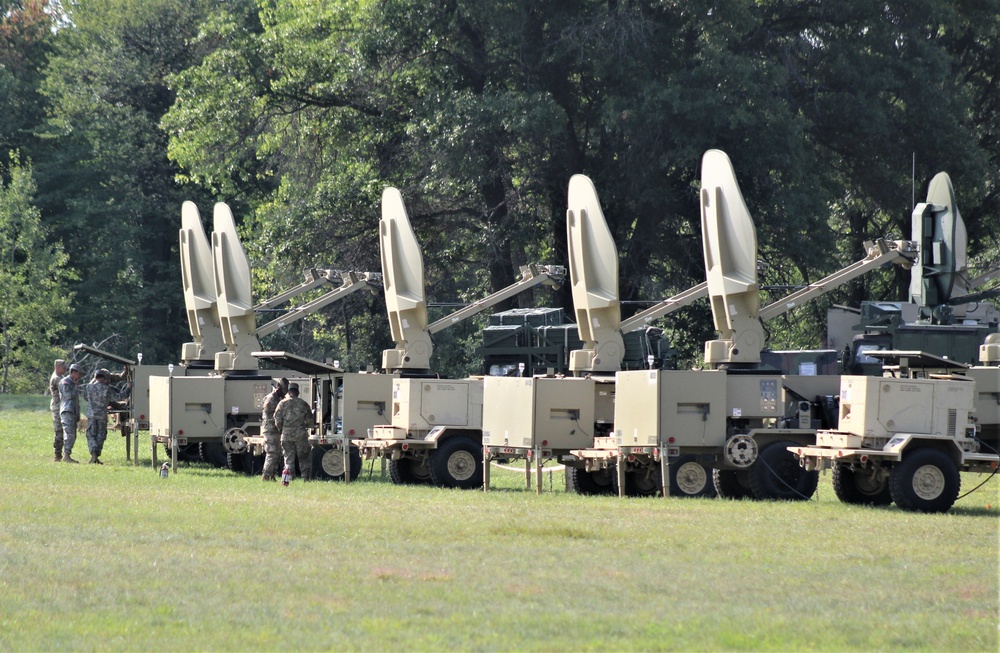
(461, 465)
(869, 484)
(333, 462)
(419, 468)
(691, 478)
(928, 482)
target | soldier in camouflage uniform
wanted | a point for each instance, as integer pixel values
(99, 394)
(57, 375)
(270, 430)
(292, 417)
(69, 409)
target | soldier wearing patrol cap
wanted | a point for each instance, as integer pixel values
(69, 409)
(57, 374)
(270, 431)
(292, 418)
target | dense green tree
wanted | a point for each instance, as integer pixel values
(34, 299)
(25, 40)
(480, 112)
(106, 184)
(836, 114)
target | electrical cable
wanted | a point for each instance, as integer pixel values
(783, 481)
(987, 479)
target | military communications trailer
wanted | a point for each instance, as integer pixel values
(434, 428)
(557, 414)
(726, 429)
(214, 398)
(946, 313)
(902, 438)
(346, 405)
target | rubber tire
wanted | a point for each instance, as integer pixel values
(402, 473)
(640, 483)
(214, 454)
(319, 473)
(457, 450)
(591, 483)
(777, 475)
(676, 490)
(847, 489)
(902, 477)
(234, 463)
(732, 484)
(188, 453)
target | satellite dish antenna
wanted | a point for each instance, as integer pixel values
(233, 288)
(403, 280)
(200, 299)
(939, 230)
(730, 247)
(593, 273)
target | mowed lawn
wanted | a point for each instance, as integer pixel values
(114, 558)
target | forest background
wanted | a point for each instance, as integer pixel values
(299, 112)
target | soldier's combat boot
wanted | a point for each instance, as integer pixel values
(267, 477)
(94, 460)
(67, 459)
(58, 457)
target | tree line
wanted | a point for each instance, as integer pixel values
(299, 112)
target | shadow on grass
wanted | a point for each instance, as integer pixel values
(978, 511)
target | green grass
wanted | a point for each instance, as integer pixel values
(114, 558)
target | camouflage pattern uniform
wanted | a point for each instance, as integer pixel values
(69, 410)
(293, 417)
(271, 432)
(57, 443)
(98, 396)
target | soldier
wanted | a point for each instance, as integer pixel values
(270, 431)
(69, 409)
(292, 417)
(57, 375)
(99, 394)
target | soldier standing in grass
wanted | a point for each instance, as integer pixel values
(292, 417)
(271, 432)
(69, 409)
(57, 375)
(99, 394)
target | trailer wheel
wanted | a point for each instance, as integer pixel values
(927, 480)
(457, 462)
(234, 462)
(863, 488)
(591, 483)
(776, 474)
(214, 454)
(689, 478)
(640, 482)
(732, 483)
(409, 471)
(188, 452)
(328, 463)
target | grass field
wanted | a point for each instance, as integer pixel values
(114, 558)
